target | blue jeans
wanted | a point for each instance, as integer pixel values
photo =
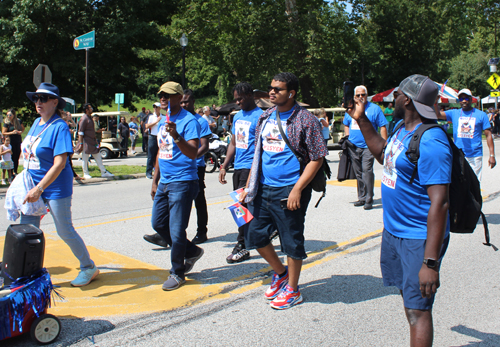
(152, 152)
(171, 210)
(61, 213)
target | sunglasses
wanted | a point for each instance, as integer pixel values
(464, 99)
(276, 89)
(43, 98)
(360, 95)
(164, 95)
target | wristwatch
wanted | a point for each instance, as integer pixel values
(431, 263)
(178, 139)
(40, 188)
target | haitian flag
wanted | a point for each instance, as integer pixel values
(240, 214)
(235, 195)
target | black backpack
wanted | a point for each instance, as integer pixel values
(465, 192)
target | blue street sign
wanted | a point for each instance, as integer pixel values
(85, 41)
(119, 98)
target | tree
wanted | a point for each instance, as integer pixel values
(34, 32)
(232, 41)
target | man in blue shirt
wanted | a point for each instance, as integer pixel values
(200, 202)
(468, 126)
(416, 218)
(242, 148)
(175, 182)
(278, 190)
(361, 158)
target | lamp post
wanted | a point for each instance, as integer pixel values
(184, 43)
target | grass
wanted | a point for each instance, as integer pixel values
(148, 104)
(117, 170)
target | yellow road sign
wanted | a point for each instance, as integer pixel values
(494, 81)
(493, 94)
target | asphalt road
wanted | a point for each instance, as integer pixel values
(345, 302)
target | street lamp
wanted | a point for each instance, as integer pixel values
(184, 43)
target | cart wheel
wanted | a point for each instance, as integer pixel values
(45, 329)
(105, 153)
(211, 162)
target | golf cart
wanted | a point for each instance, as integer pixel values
(109, 146)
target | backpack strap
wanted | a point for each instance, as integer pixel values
(413, 152)
(283, 135)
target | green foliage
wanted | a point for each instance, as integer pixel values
(468, 71)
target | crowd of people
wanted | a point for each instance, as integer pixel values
(265, 148)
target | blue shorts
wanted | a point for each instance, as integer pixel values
(400, 262)
(268, 216)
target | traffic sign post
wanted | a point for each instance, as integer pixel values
(85, 42)
(119, 99)
(41, 74)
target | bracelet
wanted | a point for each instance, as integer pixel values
(492, 155)
(221, 168)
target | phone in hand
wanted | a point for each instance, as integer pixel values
(348, 99)
(284, 203)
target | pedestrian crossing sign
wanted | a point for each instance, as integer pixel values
(494, 81)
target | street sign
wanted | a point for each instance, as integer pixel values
(495, 94)
(85, 41)
(41, 74)
(494, 81)
(119, 98)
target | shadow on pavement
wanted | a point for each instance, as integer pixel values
(73, 330)
(487, 339)
(348, 289)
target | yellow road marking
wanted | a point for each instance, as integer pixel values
(130, 286)
(143, 216)
(349, 183)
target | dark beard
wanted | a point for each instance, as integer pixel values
(399, 114)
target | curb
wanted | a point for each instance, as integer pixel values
(96, 180)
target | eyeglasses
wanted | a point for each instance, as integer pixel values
(164, 95)
(43, 98)
(276, 89)
(360, 95)
(464, 99)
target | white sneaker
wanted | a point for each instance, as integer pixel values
(134, 152)
(107, 174)
(85, 277)
(87, 177)
(3, 182)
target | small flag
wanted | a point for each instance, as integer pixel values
(444, 85)
(168, 112)
(235, 195)
(240, 214)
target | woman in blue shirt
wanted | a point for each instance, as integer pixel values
(46, 151)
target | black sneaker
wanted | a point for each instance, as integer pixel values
(238, 254)
(199, 239)
(156, 239)
(189, 262)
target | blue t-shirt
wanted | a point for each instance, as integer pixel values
(280, 167)
(244, 123)
(376, 117)
(204, 131)
(38, 155)
(134, 126)
(468, 128)
(406, 206)
(325, 131)
(175, 166)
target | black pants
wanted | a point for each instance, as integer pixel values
(362, 163)
(152, 153)
(145, 143)
(240, 178)
(124, 144)
(16, 153)
(200, 202)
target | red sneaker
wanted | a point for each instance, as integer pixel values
(276, 285)
(287, 298)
